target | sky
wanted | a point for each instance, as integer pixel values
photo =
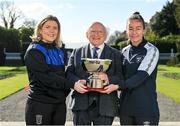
(76, 16)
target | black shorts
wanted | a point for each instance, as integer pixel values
(45, 114)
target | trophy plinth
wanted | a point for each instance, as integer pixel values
(93, 66)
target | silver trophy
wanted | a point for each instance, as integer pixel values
(93, 67)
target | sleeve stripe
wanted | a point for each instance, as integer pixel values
(150, 60)
(125, 52)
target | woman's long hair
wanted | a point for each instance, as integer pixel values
(37, 35)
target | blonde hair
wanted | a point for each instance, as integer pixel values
(37, 35)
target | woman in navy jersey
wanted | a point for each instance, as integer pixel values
(138, 102)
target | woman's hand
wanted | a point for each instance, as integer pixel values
(80, 86)
(110, 88)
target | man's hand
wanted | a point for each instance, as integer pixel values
(80, 86)
(110, 88)
(103, 76)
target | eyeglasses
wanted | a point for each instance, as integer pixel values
(97, 32)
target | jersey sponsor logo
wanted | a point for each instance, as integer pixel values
(134, 59)
(139, 58)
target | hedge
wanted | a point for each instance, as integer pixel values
(10, 39)
(164, 44)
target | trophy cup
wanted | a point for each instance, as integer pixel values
(93, 66)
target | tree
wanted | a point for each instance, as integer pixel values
(113, 37)
(117, 37)
(177, 12)
(9, 14)
(25, 33)
(122, 37)
(164, 23)
(30, 23)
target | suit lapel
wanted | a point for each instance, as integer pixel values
(106, 53)
(87, 52)
(84, 54)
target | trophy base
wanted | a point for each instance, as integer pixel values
(95, 89)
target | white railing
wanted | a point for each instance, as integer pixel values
(166, 56)
(12, 55)
(17, 56)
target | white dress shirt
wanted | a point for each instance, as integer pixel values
(99, 51)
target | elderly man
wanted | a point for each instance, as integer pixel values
(88, 107)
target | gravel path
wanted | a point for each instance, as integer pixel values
(12, 108)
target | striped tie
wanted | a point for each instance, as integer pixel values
(95, 54)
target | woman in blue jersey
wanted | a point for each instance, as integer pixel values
(44, 60)
(138, 102)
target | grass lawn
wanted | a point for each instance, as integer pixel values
(165, 85)
(12, 84)
(169, 86)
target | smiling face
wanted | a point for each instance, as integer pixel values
(135, 31)
(96, 34)
(49, 31)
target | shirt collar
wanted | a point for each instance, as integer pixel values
(99, 51)
(101, 47)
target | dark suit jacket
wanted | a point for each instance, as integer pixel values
(108, 102)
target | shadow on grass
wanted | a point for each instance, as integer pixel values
(11, 72)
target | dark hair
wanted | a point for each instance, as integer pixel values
(136, 15)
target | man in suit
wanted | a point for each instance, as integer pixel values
(98, 108)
